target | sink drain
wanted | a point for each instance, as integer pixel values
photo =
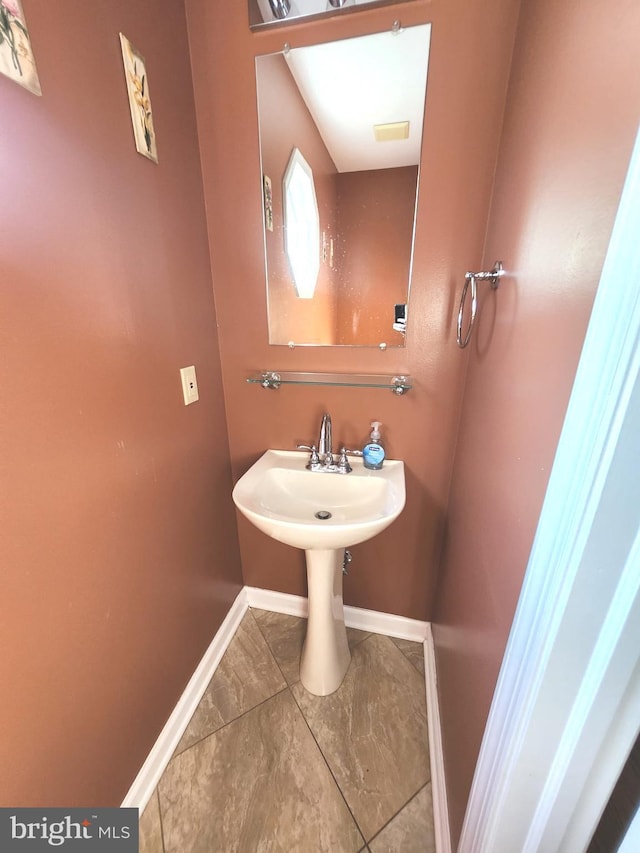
(323, 515)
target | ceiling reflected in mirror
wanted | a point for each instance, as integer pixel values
(354, 110)
(268, 13)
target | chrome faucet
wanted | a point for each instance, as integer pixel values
(322, 459)
(325, 442)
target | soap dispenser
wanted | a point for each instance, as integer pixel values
(373, 451)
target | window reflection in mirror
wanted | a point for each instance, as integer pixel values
(301, 225)
(332, 101)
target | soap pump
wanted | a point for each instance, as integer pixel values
(373, 451)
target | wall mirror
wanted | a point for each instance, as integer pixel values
(353, 110)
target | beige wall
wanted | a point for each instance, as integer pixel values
(118, 540)
(397, 572)
(570, 123)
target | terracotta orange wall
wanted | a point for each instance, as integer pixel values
(571, 119)
(119, 549)
(285, 122)
(397, 572)
(373, 253)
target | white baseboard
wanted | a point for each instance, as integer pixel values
(147, 779)
(277, 602)
(436, 755)
(388, 624)
(355, 617)
(385, 623)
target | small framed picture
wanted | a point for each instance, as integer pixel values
(139, 100)
(16, 56)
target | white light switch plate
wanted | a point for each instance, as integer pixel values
(189, 384)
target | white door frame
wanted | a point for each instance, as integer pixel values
(566, 709)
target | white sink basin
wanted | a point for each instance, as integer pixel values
(282, 498)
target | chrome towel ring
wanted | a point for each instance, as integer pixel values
(471, 278)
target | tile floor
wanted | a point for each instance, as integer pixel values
(266, 766)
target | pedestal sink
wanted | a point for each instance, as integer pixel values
(322, 513)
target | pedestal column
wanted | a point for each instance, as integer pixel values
(325, 654)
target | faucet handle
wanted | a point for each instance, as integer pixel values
(314, 458)
(343, 463)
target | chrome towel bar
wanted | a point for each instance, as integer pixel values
(471, 278)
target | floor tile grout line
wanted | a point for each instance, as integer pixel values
(337, 784)
(273, 654)
(268, 644)
(157, 793)
(404, 806)
(406, 803)
(415, 666)
(224, 725)
(361, 641)
(227, 724)
(288, 687)
(366, 636)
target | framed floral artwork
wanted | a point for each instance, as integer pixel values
(139, 100)
(16, 56)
